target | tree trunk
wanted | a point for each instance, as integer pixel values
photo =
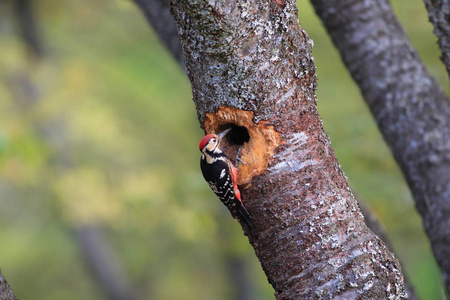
(439, 14)
(410, 108)
(251, 69)
(161, 20)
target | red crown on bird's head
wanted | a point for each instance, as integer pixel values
(204, 141)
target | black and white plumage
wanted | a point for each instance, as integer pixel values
(221, 175)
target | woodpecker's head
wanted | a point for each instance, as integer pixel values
(210, 142)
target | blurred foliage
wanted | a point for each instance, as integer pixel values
(102, 129)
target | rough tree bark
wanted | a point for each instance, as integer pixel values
(439, 15)
(6, 292)
(251, 69)
(411, 110)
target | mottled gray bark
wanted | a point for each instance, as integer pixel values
(410, 108)
(250, 65)
(158, 15)
(6, 292)
(439, 15)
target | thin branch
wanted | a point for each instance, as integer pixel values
(439, 15)
(101, 259)
(158, 15)
(373, 223)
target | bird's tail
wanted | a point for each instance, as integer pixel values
(244, 217)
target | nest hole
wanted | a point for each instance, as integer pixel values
(237, 136)
(253, 142)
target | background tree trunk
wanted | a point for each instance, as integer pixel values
(251, 68)
(410, 108)
(439, 14)
(103, 262)
(100, 257)
(158, 15)
(29, 28)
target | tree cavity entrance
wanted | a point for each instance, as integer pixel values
(252, 142)
(238, 134)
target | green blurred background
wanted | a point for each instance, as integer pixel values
(91, 135)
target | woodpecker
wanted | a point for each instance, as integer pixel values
(222, 176)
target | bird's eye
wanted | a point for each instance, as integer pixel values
(214, 140)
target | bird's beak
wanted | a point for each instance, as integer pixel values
(222, 134)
